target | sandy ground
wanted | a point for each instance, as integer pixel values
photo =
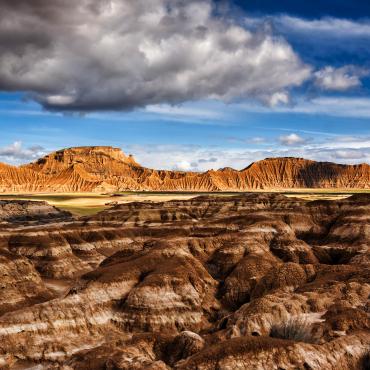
(90, 203)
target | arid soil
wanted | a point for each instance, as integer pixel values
(257, 281)
(107, 169)
(85, 204)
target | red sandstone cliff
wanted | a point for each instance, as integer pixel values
(109, 169)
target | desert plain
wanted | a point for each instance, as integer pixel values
(83, 204)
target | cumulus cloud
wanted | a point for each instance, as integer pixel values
(339, 79)
(321, 39)
(186, 157)
(292, 140)
(183, 166)
(15, 153)
(120, 54)
(278, 99)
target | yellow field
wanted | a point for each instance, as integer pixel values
(82, 204)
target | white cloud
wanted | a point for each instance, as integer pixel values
(325, 27)
(329, 106)
(118, 55)
(349, 154)
(345, 143)
(61, 100)
(292, 139)
(15, 153)
(183, 166)
(189, 157)
(335, 27)
(184, 112)
(278, 98)
(339, 79)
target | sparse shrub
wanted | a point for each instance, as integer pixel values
(365, 361)
(296, 329)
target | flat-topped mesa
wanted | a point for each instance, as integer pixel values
(94, 159)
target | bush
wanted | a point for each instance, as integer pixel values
(296, 329)
(365, 361)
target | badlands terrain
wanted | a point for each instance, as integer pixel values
(165, 278)
(251, 281)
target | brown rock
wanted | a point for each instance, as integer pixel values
(194, 284)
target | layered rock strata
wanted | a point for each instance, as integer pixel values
(198, 284)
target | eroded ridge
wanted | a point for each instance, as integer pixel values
(107, 169)
(256, 281)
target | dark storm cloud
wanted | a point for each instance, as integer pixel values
(120, 54)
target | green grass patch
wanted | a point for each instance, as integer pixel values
(83, 211)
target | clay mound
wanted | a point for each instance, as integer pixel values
(13, 179)
(24, 211)
(253, 281)
(293, 173)
(101, 168)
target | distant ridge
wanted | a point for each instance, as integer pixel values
(104, 168)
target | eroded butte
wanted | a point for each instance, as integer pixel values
(256, 281)
(103, 168)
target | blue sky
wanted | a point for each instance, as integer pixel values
(288, 79)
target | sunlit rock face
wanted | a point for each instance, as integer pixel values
(255, 281)
(103, 168)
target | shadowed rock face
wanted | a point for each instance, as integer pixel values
(109, 169)
(194, 284)
(25, 211)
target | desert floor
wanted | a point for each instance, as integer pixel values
(82, 204)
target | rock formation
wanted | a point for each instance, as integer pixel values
(24, 211)
(97, 169)
(197, 284)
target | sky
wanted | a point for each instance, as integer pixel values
(188, 85)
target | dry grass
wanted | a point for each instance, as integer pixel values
(297, 329)
(83, 204)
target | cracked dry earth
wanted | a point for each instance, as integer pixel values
(256, 281)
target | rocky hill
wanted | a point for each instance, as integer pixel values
(95, 169)
(253, 281)
(20, 211)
